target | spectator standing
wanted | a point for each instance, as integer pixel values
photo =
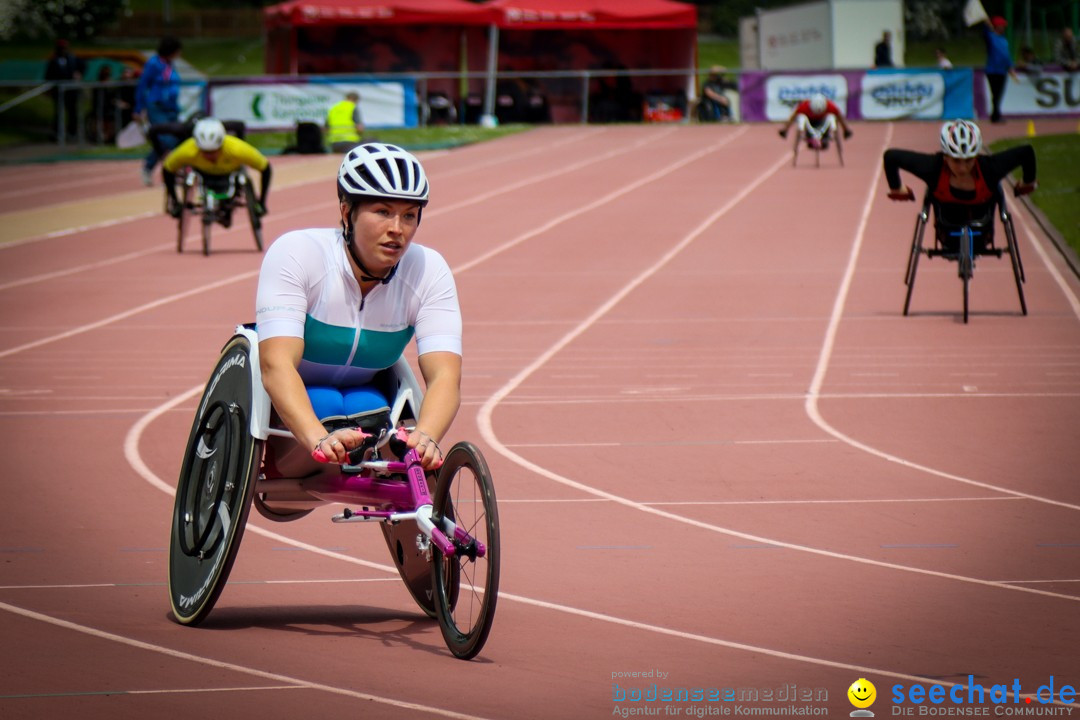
(344, 124)
(157, 97)
(943, 60)
(998, 63)
(1065, 52)
(883, 51)
(64, 67)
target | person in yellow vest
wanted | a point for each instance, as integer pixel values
(344, 125)
(215, 155)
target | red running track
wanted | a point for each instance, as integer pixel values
(722, 455)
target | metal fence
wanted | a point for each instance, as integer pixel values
(91, 113)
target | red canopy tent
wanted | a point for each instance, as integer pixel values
(351, 36)
(501, 36)
(602, 35)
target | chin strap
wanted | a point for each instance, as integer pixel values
(365, 274)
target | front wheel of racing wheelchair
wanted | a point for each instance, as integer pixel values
(963, 243)
(213, 200)
(214, 491)
(803, 138)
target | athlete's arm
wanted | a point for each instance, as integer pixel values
(999, 165)
(921, 165)
(442, 398)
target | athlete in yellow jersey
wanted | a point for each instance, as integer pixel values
(216, 156)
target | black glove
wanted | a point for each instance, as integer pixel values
(783, 133)
(174, 208)
(260, 208)
(848, 134)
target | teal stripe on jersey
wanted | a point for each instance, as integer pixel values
(381, 349)
(327, 344)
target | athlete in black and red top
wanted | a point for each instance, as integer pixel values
(961, 181)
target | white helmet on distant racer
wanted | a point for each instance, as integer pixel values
(209, 134)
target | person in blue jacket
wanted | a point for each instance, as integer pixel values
(157, 97)
(999, 63)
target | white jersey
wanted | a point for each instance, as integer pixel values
(307, 290)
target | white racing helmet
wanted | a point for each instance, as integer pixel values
(209, 134)
(818, 102)
(961, 139)
(379, 170)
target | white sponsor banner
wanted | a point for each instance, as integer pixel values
(886, 96)
(1047, 93)
(784, 92)
(280, 105)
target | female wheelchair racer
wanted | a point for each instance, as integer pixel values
(321, 381)
(964, 191)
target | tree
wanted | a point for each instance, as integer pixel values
(72, 19)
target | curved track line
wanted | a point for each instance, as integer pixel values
(813, 394)
(180, 655)
(131, 453)
(487, 431)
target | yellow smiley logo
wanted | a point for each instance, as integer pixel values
(862, 693)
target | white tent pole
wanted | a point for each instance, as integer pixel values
(488, 118)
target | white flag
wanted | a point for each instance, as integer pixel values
(974, 13)
(131, 136)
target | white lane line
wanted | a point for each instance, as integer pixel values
(131, 452)
(813, 394)
(128, 313)
(82, 268)
(190, 657)
(487, 430)
(179, 691)
(1070, 296)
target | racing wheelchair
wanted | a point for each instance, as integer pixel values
(213, 199)
(817, 145)
(444, 542)
(962, 241)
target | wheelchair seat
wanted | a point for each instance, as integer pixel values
(365, 407)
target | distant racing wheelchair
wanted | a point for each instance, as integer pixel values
(208, 171)
(964, 191)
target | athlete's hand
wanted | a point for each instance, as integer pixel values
(431, 455)
(1025, 188)
(174, 208)
(848, 133)
(260, 208)
(783, 133)
(335, 447)
(903, 194)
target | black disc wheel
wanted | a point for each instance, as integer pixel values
(214, 492)
(466, 585)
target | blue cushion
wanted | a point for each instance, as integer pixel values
(330, 402)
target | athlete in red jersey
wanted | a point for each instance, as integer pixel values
(817, 118)
(961, 180)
